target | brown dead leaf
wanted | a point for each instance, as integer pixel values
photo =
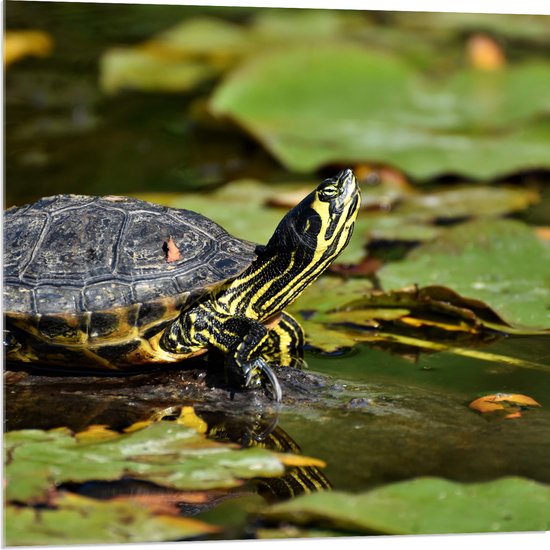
(513, 402)
(165, 503)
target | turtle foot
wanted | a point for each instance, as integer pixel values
(258, 374)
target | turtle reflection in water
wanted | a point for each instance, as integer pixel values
(114, 282)
(237, 429)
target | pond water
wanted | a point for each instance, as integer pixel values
(372, 415)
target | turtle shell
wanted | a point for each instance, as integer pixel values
(82, 270)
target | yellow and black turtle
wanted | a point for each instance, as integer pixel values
(114, 282)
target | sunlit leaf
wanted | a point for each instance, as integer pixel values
(500, 262)
(512, 403)
(465, 202)
(425, 506)
(167, 453)
(346, 104)
(80, 520)
(177, 59)
(126, 68)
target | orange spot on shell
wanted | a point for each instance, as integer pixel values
(172, 251)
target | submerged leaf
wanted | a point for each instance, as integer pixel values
(426, 506)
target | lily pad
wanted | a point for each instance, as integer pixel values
(500, 262)
(465, 202)
(80, 520)
(177, 59)
(171, 455)
(346, 104)
(426, 506)
(126, 68)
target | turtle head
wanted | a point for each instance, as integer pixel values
(321, 225)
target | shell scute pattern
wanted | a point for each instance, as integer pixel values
(70, 256)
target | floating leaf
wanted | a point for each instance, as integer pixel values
(177, 59)
(426, 506)
(126, 68)
(465, 202)
(500, 262)
(169, 454)
(346, 104)
(80, 520)
(512, 403)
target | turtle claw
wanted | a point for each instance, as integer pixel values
(258, 373)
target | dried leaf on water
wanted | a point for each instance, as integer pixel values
(512, 403)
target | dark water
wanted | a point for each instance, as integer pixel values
(388, 418)
(63, 135)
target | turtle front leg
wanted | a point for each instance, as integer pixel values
(284, 344)
(243, 357)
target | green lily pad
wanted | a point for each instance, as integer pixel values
(126, 68)
(500, 262)
(534, 28)
(465, 202)
(426, 506)
(165, 453)
(175, 60)
(80, 520)
(346, 104)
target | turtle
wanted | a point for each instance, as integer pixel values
(116, 283)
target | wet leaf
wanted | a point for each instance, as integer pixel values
(499, 262)
(426, 506)
(169, 454)
(80, 520)
(333, 313)
(511, 403)
(353, 105)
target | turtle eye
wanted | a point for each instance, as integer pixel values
(328, 192)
